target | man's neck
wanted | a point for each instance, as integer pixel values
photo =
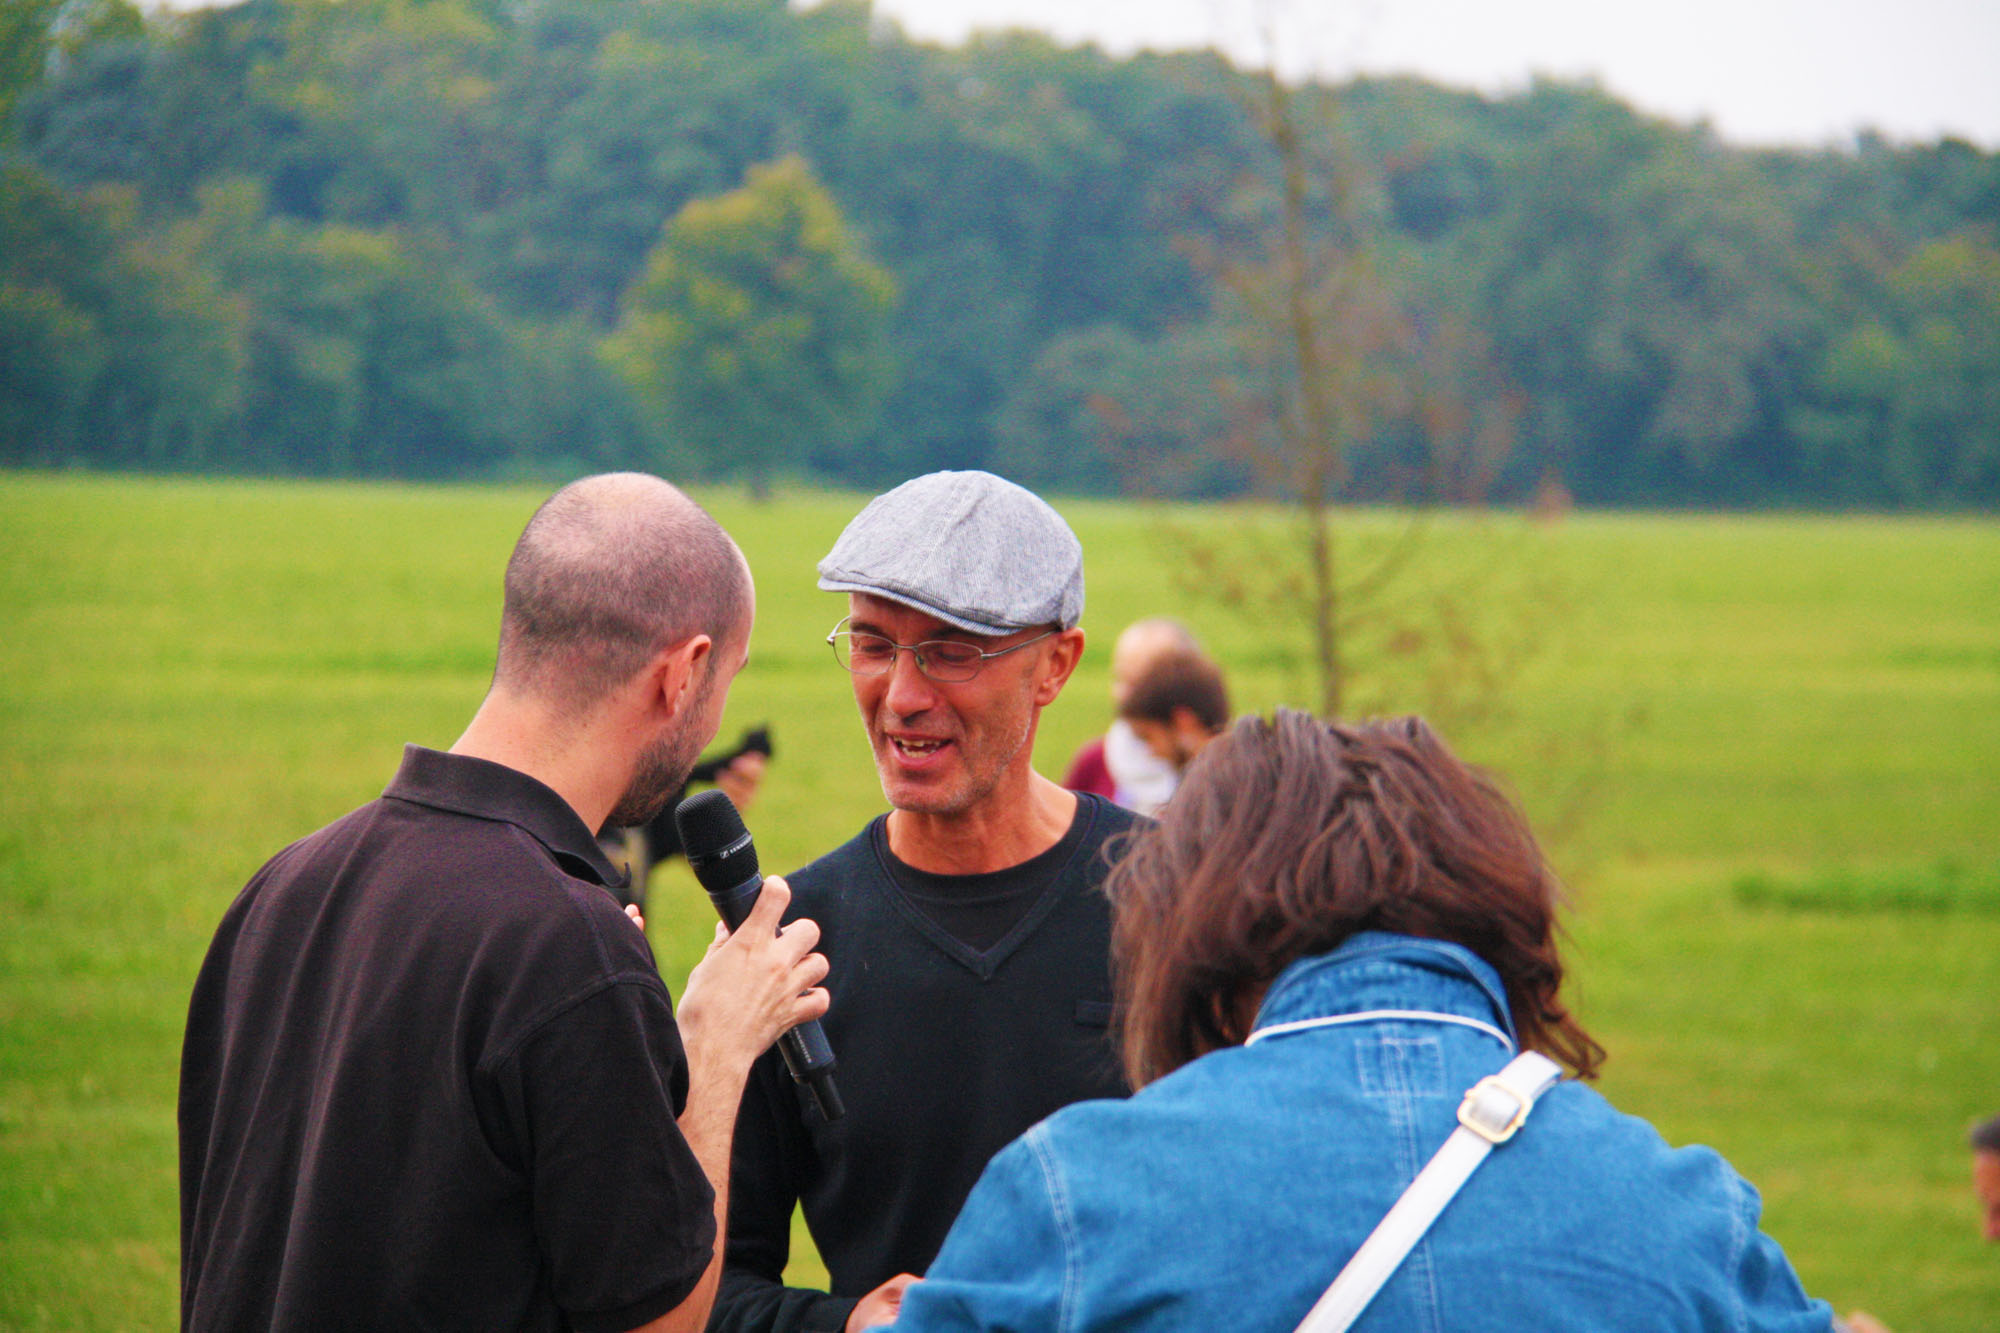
(994, 835)
(527, 739)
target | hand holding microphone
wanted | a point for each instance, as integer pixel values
(724, 860)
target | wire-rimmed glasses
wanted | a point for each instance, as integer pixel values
(947, 660)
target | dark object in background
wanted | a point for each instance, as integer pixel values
(644, 846)
(757, 740)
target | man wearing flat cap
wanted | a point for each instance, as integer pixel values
(968, 938)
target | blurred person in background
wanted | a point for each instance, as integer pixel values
(1985, 1141)
(1118, 764)
(1176, 707)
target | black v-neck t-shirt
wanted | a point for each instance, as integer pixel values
(965, 1010)
(978, 910)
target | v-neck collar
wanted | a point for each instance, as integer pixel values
(985, 963)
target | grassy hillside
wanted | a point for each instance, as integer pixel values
(1764, 748)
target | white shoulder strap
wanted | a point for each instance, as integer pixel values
(1493, 1109)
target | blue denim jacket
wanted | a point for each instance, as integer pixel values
(1227, 1195)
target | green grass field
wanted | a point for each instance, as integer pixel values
(1767, 750)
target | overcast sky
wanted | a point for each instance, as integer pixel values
(1759, 71)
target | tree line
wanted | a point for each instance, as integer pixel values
(727, 239)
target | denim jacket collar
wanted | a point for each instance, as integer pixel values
(1374, 970)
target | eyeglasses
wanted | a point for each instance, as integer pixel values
(941, 659)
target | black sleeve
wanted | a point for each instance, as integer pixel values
(624, 1216)
(767, 1175)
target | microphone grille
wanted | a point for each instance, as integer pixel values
(709, 823)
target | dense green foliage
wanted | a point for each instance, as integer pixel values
(392, 238)
(756, 324)
(196, 673)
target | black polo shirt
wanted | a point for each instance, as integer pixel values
(430, 1080)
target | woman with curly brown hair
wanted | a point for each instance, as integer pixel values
(1332, 934)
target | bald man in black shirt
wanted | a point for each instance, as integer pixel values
(431, 1076)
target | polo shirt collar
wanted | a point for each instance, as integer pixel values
(483, 789)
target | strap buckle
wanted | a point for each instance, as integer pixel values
(1493, 1110)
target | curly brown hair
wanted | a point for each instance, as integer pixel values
(1287, 837)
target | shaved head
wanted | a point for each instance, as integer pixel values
(611, 570)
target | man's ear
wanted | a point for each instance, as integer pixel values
(1065, 651)
(674, 672)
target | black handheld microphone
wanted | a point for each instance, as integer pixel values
(725, 861)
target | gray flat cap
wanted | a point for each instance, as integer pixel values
(970, 548)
